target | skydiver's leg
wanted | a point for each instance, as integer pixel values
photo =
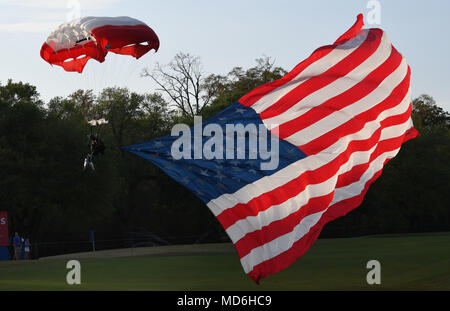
(86, 162)
(91, 161)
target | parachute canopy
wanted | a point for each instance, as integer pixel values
(73, 43)
(98, 122)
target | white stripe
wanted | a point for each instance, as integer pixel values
(340, 117)
(280, 244)
(276, 212)
(67, 34)
(283, 176)
(395, 129)
(285, 242)
(338, 86)
(314, 69)
(354, 189)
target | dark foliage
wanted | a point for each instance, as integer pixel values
(127, 200)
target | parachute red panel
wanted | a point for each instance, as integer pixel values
(72, 44)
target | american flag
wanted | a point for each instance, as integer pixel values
(337, 118)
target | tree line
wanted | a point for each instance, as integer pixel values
(50, 199)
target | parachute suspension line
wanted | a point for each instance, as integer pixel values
(117, 70)
(121, 74)
(66, 48)
(75, 82)
(110, 64)
(96, 77)
(69, 80)
(98, 132)
(92, 79)
(131, 71)
(63, 78)
(87, 82)
(91, 74)
(102, 81)
(111, 69)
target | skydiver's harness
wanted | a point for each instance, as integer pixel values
(96, 146)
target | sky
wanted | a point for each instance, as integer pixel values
(224, 34)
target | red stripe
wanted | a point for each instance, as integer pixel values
(358, 170)
(280, 194)
(352, 95)
(295, 186)
(353, 31)
(390, 144)
(68, 58)
(359, 55)
(280, 227)
(412, 133)
(255, 95)
(300, 247)
(359, 121)
(314, 205)
(126, 39)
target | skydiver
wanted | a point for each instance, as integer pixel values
(96, 146)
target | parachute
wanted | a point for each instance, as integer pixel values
(74, 43)
(98, 122)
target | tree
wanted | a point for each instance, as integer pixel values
(62, 108)
(119, 106)
(41, 151)
(427, 114)
(84, 101)
(157, 118)
(225, 90)
(182, 80)
(15, 92)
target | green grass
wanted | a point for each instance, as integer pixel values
(408, 262)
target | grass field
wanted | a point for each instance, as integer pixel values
(408, 262)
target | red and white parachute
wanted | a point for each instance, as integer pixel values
(73, 43)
